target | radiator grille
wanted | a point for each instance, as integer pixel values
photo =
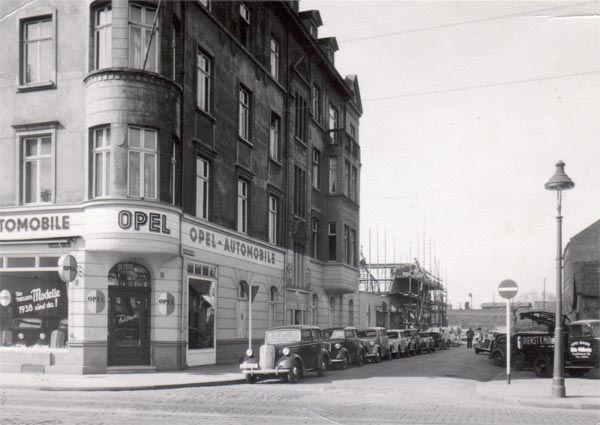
(267, 357)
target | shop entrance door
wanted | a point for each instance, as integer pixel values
(128, 326)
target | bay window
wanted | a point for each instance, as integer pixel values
(142, 162)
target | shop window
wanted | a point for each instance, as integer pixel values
(143, 38)
(129, 275)
(34, 305)
(201, 311)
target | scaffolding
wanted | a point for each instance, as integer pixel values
(416, 298)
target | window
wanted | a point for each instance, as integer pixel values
(273, 219)
(313, 30)
(315, 310)
(173, 172)
(37, 50)
(242, 224)
(347, 243)
(203, 83)
(245, 13)
(353, 132)
(103, 37)
(143, 38)
(274, 58)
(244, 25)
(350, 315)
(142, 162)
(272, 305)
(38, 169)
(274, 132)
(332, 175)
(316, 103)
(242, 309)
(202, 187)
(347, 183)
(316, 169)
(244, 114)
(299, 269)
(332, 242)
(354, 185)
(201, 306)
(300, 119)
(299, 192)
(353, 250)
(315, 237)
(334, 118)
(101, 161)
(331, 310)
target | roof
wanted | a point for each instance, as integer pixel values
(333, 328)
(300, 327)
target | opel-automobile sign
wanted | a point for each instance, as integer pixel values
(67, 268)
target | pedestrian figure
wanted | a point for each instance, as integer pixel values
(470, 335)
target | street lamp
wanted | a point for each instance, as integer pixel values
(559, 182)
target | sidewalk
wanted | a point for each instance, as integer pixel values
(201, 376)
(582, 393)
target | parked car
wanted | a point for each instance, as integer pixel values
(376, 342)
(427, 342)
(415, 338)
(583, 347)
(411, 342)
(398, 342)
(485, 346)
(344, 345)
(31, 331)
(288, 352)
(439, 342)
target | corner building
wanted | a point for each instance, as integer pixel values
(191, 156)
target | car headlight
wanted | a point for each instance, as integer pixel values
(42, 336)
(338, 346)
(286, 351)
(372, 343)
(249, 352)
(20, 335)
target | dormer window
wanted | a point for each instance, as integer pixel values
(313, 30)
(245, 13)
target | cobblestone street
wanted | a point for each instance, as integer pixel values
(437, 388)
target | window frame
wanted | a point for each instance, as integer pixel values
(316, 169)
(273, 224)
(300, 122)
(333, 124)
(143, 152)
(204, 97)
(242, 205)
(155, 38)
(22, 83)
(20, 152)
(317, 103)
(332, 241)
(315, 237)
(106, 153)
(275, 137)
(274, 58)
(333, 174)
(204, 178)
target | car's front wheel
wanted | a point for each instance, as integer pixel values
(293, 375)
(322, 368)
(498, 358)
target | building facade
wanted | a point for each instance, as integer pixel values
(200, 160)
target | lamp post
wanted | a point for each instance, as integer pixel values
(559, 182)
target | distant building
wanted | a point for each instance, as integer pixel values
(581, 281)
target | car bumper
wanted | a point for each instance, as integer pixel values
(255, 371)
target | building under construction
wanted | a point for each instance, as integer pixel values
(412, 297)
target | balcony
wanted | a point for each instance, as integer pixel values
(340, 278)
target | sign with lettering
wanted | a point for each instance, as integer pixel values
(95, 301)
(166, 303)
(580, 350)
(37, 300)
(207, 239)
(39, 226)
(143, 221)
(67, 268)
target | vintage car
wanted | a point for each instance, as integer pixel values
(427, 342)
(376, 343)
(583, 347)
(414, 340)
(32, 331)
(288, 352)
(528, 349)
(411, 341)
(485, 346)
(344, 345)
(439, 340)
(398, 342)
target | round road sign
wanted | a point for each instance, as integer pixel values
(508, 289)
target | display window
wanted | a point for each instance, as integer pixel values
(201, 306)
(34, 304)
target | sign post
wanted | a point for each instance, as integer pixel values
(508, 289)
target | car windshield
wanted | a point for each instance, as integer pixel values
(28, 323)
(333, 334)
(579, 331)
(281, 336)
(393, 334)
(367, 334)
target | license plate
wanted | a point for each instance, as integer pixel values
(248, 365)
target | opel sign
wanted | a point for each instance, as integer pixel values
(67, 268)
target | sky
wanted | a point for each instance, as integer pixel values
(467, 108)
